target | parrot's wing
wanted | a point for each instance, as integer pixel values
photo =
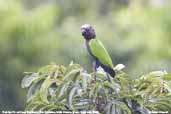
(99, 51)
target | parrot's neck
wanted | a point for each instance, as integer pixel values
(87, 44)
(88, 40)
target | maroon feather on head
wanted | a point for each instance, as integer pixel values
(88, 32)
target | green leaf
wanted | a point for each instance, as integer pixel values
(72, 75)
(44, 88)
(62, 88)
(167, 87)
(109, 85)
(28, 79)
(108, 108)
(70, 96)
(167, 77)
(85, 80)
(123, 106)
(72, 67)
(33, 89)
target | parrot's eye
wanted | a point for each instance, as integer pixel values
(84, 30)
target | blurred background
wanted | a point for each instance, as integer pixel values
(34, 33)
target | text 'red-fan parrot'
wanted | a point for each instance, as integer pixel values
(97, 50)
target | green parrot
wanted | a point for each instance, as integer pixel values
(97, 50)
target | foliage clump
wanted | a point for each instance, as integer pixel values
(56, 87)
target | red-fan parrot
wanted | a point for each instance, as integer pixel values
(97, 50)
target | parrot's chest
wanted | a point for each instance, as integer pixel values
(89, 50)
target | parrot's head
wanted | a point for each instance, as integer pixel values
(88, 32)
